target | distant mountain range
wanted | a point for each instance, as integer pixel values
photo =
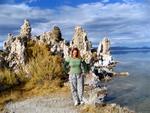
(125, 50)
(128, 48)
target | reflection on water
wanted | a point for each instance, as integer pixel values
(132, 91)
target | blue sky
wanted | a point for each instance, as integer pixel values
(125, 21)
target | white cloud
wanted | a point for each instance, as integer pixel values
(122, 21)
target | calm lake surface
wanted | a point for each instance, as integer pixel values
(132, 91)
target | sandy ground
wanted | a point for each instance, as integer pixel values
(57, 103)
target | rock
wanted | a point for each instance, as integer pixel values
(123, 74)
(8, 42)
(92, 80)
(56, 34)
(99, 49)
(55, 41)
(60, 49)
(81, 41)
(26, 29)
(107, 78)
(16, 49)
(103, 54)
(65, 48)
(51, 37)
(113, 104)
(104, 47)
(97, 95)
(16, 45)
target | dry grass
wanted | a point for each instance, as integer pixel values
(7, 96)
(9, 78)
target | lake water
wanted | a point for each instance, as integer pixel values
(132, 91)
(1, 45)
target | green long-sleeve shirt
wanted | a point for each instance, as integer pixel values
(76, 65)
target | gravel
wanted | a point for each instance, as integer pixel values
(43, 104)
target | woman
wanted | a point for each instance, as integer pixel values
(76, 77)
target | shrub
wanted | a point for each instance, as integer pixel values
(9, 78)
(42, 65)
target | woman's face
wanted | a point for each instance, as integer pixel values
(75, 53)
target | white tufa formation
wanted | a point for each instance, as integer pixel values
(81, 41)
(104, 47)
(25, 29)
